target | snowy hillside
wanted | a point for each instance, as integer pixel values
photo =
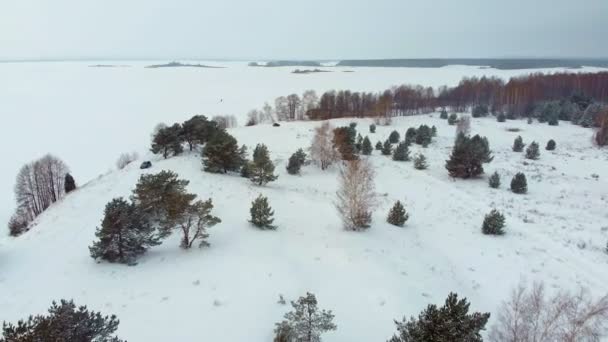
(229, 291)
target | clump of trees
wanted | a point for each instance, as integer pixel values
(468, 156)
(356, 194)
(296, 161)
(322, 150)
(63, 322)
(168, 140)
(305, 323)
(38, 185)
(519, 184)
(261, 213)
(493, 223)
(397, 216)
(532, 315)
(159, 205)
(451, 322)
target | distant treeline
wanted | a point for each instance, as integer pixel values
(498, 63)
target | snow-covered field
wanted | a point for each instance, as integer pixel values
(229, 291)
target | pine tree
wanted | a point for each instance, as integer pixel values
(306, 321)
(372, 128)
(359, 143)
(468, 156)
(69, 183)
(125, 233)
(519, 184)
(501, 117)
(452, 119)
(198, 130)
(296, 161)
(222, 154)
(532, 152)
(494, 180)
(451, 322)
(518, 144)
(168, 140)
(493, 223)
(261, 213)
(397, 216)
(379, 146)
(550, 145)
(444, 114)
(420, 162)
(262, 168)
(433, 131)
(394, 137)
(402, 152)
(410, 135)
(424, 135)
(246, 169)
(194, 221)
(64, 323)
(344, 140)
(480, 110)
(366, 147)
(387, 148)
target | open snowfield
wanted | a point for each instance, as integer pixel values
(229, 291)
(88, 116)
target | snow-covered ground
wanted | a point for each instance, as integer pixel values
(229, 291)
(88, 116)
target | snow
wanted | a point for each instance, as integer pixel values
(229, 291)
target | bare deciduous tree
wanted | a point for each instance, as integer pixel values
(293, 104)
(39, 184)
(464, 125)
(253, 118)
(531, 316)
(126, 159)
(281, 107)
(310, 100)
(225, 121)
(356, 194)
(322, 150)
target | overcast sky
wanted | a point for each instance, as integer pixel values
(307, 29)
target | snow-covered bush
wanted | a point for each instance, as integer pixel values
(533, 151)
(519, 184)
(494, 180)
(261, 213)
(493, 223)
(397, 216)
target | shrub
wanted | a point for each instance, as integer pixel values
(64, 322)
(379, 146)
(494, 181)
(261, 213)
(519, 184)
(493, 223)
(451, 322)
(444, 114)
(410, 135)
(394, 137)
(518, 144)
(468, 156)
(397, 216)
(420, 162)
(402, 152)
(501, 117)
(424, 135)
(480, 110)
(452, 119)
(372, 128)
(533, 152)
(387, 148)
(550, 145)
(69, 183)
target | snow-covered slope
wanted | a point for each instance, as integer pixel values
(229, 291)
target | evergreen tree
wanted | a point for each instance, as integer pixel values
(518, 144)
(344, 141)
(372, 128)
(124, 234)
(501, 117)
(480, 110)
(550, 145)
(387, 148)
(452, 119)
(449, 323)
(262, 168)
(394, 137)
(433, 131)
(366, 147)
(519, 184)
(424, 135)
(198, 130)
(306, 321)
(222, 154)
(246, 169)
(493, 223)
(397, 215)
(410, 135)
(261, 213)
(468, 156)
(69, 183)
(532, 152)
(379, 146)
(420, 162)
(494, 180)
(359, 143)
(295, 162)
(444, 114)
(194, 221)
(168, 140)
(402, 152)
(64, 323)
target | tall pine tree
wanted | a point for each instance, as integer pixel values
(262, 168)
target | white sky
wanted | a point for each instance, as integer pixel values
(311, 29)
